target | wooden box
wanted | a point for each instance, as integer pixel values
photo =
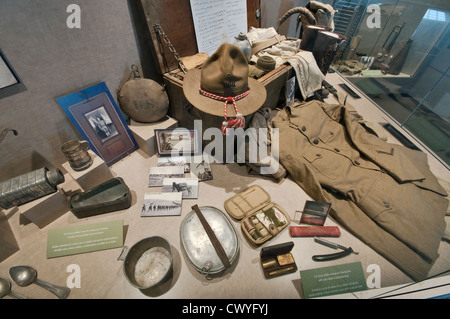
(175, 19)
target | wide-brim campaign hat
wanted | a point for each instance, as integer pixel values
(222, 87)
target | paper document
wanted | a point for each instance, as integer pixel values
(217, 21)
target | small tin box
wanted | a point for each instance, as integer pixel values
(109, 196)
(277, 260)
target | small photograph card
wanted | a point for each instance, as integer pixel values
(84, 238)
(158, 173)
(187, 186)
(333, 280)
(201, 169)
(184, 161)
(162, 204)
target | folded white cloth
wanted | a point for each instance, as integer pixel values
(260, 34)
(309, 76)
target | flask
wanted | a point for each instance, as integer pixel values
(242, 43)
(28, 187)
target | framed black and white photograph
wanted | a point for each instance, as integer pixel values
(158, 173)
(187, 186)
(177, 142)
(161, 204)
(102, 124)
(97, 118)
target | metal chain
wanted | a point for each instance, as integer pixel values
(160, 31)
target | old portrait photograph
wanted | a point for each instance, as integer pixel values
(101, 123)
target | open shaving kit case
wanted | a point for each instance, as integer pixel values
(261, 219)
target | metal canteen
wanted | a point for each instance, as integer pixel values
(29, 186)
(144, 100)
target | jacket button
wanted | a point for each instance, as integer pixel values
(331, 133)
(303, 128)
(357, 163)
(337, 150)
(318, 155)
(316, 141)
(386, 204)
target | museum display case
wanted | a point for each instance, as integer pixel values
(192, 173)
(398, 56)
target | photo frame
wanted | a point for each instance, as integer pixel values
(98, 119)
(10, 82)
(177, 142)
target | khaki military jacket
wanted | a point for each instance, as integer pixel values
(383, 193)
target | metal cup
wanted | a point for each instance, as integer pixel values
(77, 154)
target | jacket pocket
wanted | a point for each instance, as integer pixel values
(326, 162)
(378, 200)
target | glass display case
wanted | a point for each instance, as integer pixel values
(398, 54)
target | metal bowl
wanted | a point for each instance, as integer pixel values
(198, 246)
(148, 263)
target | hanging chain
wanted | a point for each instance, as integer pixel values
(160, 31)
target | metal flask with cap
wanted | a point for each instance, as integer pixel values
(242, 43)
(27, 187)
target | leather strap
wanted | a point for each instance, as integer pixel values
(258, 46)
(216, 243)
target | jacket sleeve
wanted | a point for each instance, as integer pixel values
(402, 163)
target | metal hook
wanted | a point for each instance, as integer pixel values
(85, 94)
(5, 132)
(135, 71)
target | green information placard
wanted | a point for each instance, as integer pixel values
(84, 238)
(333, 280)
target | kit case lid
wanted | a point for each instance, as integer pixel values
(275, 250)
(247, 202)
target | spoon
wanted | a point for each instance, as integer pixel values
(25, 275)
(5, 290)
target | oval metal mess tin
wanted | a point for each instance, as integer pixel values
(199, 248)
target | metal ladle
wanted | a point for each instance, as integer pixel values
(26, 275)
(5, 290)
